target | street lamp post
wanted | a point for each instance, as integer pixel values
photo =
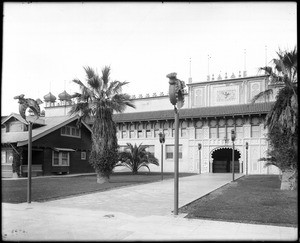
(232, 139)
(176, 95)
(24, 104)
(162, 140)
(247, 146)
(199, 148)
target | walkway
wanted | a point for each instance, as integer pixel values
(141, 212)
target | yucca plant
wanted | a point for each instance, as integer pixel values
(136, 157)
(97, 102)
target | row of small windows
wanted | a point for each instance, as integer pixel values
(169, 150)
(214, 133)
(70, 131)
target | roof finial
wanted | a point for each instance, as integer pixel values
(208, 76)
(190, 78)
(245, 72)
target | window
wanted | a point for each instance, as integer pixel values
(148, 133)
(156, 133)
(229, 133)
(123, 148)
(173, 132)
(166, 132)
(170, 151)
(7, 157)
(255, 131)
(213, 132)
(60, 158)
(83, 155)
(222, 132)
(199, 133)
(239, 132)
(140, 134)
(150, 149)
(70, 131)
(183, 132)
(131, 134)
(124, 134)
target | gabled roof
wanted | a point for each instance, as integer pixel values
(39, 121)
(203, 112)
(51, 124)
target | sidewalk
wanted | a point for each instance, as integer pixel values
(141, 212)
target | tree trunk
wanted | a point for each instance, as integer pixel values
(289, 180)
(102, 179)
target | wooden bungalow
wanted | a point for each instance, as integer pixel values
(58, 146)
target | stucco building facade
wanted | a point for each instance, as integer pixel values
(211, 110)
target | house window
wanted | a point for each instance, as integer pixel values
(170, 151)
(255, 131)
(150, 149)
(60, 158)
(213, 132)
(70, 131)
(83, 155)
(7, 157)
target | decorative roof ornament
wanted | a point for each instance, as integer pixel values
(176, 90)
(232, 76)
(64, 96)
(49, 97)
(28, 103)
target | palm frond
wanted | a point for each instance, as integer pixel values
(264, 94)
(105, 76)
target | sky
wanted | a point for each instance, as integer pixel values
(47, 45)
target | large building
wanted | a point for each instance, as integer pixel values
(212, 109)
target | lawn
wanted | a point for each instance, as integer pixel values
(49, 188)
(250, 199)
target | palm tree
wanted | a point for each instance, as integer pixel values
(284, 112)
(97, 102)
(135, 157)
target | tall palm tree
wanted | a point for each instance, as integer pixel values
(135, 157)
(284, 112)
(97, 102)
(283, 76)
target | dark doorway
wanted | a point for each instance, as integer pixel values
(222, 161)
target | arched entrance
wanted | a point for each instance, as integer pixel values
(222, 160)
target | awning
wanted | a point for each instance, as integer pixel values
(64, 149)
